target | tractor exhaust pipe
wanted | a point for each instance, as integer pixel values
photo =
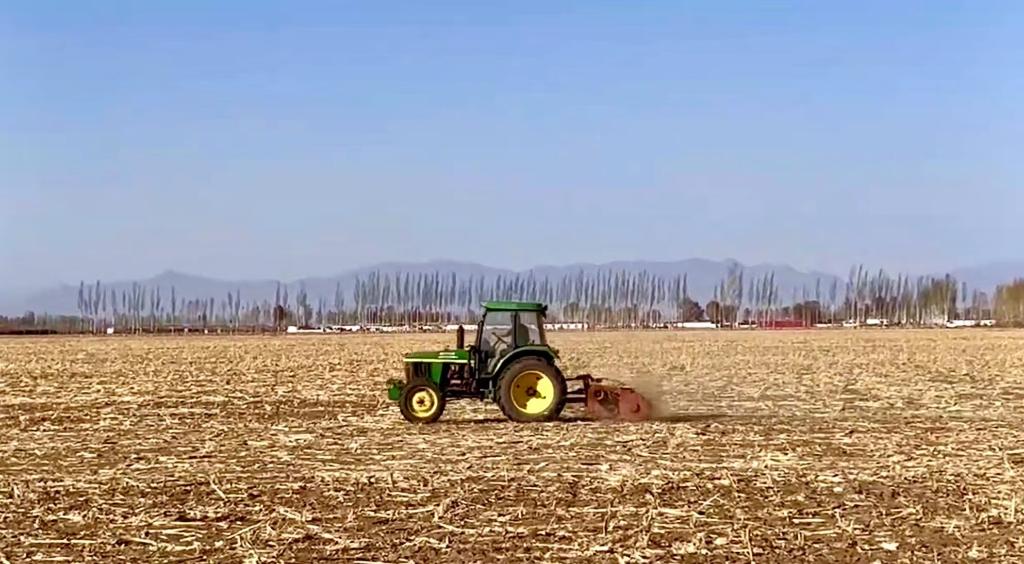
(460, 337)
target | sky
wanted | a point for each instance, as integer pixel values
(285, 139)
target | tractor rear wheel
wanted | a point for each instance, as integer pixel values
(531, 389)
(421, 401)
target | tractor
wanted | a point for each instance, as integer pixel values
(511, 364)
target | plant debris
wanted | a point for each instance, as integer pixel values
(832, 445)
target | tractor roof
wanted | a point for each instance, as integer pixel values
(515, 306)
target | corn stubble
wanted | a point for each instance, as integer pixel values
(843, 446)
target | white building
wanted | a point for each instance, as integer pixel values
(567, 326)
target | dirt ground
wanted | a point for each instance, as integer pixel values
(775, 446)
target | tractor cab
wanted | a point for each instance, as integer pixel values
(508, 328)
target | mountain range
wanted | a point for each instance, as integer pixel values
(703, 276)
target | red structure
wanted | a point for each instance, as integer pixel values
(785, 324)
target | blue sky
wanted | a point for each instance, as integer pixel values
(259, 139)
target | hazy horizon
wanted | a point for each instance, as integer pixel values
(261, 140)
(842, 274)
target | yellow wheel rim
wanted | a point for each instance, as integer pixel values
(532, 392)
(424, 403)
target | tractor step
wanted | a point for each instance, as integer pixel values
(604, 400)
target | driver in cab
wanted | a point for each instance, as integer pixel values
(517, 335)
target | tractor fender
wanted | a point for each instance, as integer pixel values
(543, 353)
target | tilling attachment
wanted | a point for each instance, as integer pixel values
(606, 401)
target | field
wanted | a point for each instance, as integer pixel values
(832, 445)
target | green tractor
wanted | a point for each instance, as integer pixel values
(511, 364)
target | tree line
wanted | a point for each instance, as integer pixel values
(601, 298)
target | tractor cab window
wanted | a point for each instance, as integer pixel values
(496, 334)
(529, 330)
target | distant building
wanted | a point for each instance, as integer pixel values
(567, 326)
(693, 325)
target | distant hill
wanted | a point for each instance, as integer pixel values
(988, 276)
(702, 275)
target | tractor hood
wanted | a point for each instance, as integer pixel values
(458, 356)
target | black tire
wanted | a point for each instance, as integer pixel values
(508, 390)
(410, 402)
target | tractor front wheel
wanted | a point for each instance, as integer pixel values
(531, 390)
(421, 401)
